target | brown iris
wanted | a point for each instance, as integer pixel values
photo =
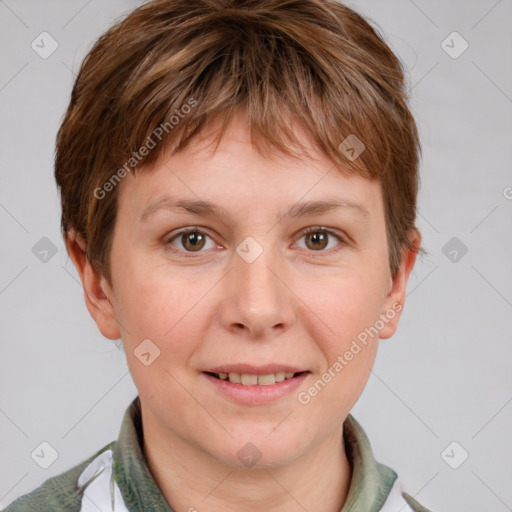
(318, 239)
(193, 241)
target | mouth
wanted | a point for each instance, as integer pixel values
(252, 379)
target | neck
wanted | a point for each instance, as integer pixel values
(192, 480)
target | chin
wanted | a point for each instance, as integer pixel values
(258, 452)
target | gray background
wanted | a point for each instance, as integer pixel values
(444, 377)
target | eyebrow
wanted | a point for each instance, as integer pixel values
(205, 208)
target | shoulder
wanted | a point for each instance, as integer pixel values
(60, 493)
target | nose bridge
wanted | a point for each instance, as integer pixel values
(259, 300)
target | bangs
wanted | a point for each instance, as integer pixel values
(276, 73)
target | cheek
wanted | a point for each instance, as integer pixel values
(347, 302)
(345, 334)
(345, 318)
(170, 308)
(143, 308)
(160, 310)
(149, 299)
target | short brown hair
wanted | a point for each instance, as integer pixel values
(313, 61)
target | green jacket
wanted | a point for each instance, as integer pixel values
(117, 479)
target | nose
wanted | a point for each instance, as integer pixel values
(256, 299)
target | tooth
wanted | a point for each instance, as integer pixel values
(279, 376)
(248, 379)
(234, 378)
(266, 380)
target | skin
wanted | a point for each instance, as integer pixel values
(301, 302)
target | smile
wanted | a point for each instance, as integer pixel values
(254, 388)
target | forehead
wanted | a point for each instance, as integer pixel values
(237, 173)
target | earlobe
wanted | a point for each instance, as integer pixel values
(395, 299)
(96, 288)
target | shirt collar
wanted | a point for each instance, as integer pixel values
(371, 481)
(131, 471)
(370, 484)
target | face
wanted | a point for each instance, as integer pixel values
(283, 268)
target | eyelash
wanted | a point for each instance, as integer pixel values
(312, 229)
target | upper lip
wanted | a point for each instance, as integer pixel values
(255, 370)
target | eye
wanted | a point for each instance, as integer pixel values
(190, 240)
(317, 239)
(193, 240)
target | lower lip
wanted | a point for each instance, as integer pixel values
(253, 395)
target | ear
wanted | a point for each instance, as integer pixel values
(394, 301)
(96, 288)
